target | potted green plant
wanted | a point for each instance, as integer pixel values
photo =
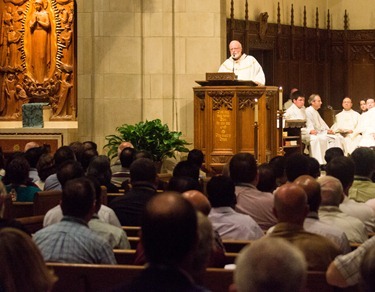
(151, 136)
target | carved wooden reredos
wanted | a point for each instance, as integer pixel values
(37, 63)
(333, 63)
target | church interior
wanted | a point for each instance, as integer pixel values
(138, 60)
(77, 70)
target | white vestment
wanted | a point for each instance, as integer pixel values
(322, 141)
(344, 121)
(245, 68)
(366, 127)
(296, 113)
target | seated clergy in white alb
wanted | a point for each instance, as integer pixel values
(366, 125)
(297, 112)
(345, 123)
(245, 67)
(321, 136)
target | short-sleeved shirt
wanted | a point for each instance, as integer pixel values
(72, 241)
(349, 264)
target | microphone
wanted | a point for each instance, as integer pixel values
(233, 61)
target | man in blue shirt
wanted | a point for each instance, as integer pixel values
(71, 240)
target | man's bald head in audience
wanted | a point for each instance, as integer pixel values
(290, 204)
(198, 200)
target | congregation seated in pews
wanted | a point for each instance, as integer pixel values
(225, 200)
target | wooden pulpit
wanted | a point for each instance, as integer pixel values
(233, 116)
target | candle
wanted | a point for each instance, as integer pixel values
(280, 98)
(256, 111)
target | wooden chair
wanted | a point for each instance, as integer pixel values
(46, 200)
(17, 209)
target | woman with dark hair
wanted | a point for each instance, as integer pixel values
(19, 185)
(45, 167)
(100, 168)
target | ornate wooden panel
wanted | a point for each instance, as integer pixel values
(235, 119)
(37, 63)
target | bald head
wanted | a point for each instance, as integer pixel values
(122, 146)
(331, 191)
(30, 145)
(198, 200)
(290, 204)
(312, 190)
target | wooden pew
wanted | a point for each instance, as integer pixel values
(17, 209)
(124, 256)
(89, 277)
(127, 256)
(46, 200)
(233, 245)
(133, 240)
(132, 231)
(32, 223)
(230, 257)
(354, 245)
(111, 196)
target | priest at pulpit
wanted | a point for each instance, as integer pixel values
(245, 67)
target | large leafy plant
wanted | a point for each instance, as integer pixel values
(151, 136)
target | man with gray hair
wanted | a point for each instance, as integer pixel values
(290, 208)
(312, 223)
(321, 136)
(329, 212)
(270, 264)
(245, 67)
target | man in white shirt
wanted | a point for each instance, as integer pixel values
(345, 123)
(297, 110)
(366, 125)
(245, 67)
(289, 102)
(321, 136)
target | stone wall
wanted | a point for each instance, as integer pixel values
(138, 60)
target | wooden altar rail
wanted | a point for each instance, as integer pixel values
(225, 119)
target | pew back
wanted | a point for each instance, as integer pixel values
(46, 200)
(90, 277)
